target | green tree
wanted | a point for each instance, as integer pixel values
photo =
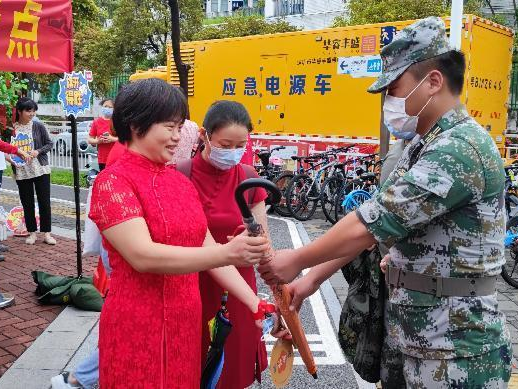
(379, 11)
(10, 88)
(237, 26)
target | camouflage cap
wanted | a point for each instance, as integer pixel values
(422, 40)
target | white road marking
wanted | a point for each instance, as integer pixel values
(326, 334)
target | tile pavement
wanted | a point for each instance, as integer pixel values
(507, 295)
(22, 323)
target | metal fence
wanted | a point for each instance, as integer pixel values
(61, 155)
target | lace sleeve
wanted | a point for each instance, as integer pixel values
(113, 201)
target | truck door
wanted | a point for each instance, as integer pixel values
(274, 90)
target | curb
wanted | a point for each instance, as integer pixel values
(52, 351)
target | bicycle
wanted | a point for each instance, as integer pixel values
(275, 173)
(361, 186)
(305, 189)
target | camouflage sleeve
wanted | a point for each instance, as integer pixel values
(448, 175)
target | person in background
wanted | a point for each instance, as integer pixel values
(189, 135)
(216, 172)
(7, 299)
(248, 156)
(102, 134)
(34, 174)
(151, 320)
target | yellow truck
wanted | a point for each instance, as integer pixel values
(311, 85)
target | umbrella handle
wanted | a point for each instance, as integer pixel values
(254, 183)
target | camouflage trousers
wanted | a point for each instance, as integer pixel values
(487, 371)
(491, 370)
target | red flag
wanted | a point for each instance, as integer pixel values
(36, 36)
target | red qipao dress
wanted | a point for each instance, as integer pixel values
(150, 326)
(245, 353)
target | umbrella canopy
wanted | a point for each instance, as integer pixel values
(219, 327)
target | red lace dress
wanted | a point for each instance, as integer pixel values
(150, 327)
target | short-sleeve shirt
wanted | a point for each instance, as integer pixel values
(99, 127)
(444, 216)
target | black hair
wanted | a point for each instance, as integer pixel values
(142, 103)
(224, 113)
(25, 104)
(452, 65)
(104, 101)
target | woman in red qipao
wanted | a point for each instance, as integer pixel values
(216, 173)
(156, 235)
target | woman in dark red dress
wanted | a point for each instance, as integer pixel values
(156, 235)
(216, 173)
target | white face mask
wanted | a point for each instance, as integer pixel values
(225, 159)
(398, 122)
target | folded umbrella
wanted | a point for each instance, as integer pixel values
(219, 327)
(281, 293)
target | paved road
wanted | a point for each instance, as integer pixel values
(333, 371)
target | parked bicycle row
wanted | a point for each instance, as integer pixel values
(333, 180)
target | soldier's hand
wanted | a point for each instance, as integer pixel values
(281, 269)
(300, 289)
(384, 263)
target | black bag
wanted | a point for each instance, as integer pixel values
(361, 322)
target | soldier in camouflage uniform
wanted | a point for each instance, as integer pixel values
(441, 211)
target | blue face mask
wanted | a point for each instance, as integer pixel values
(406, 135)
(107, 111)
(225, 159)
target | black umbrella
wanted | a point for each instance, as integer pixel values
(220, 327)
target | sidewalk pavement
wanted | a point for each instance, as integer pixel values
(23, 322)
(507, 295)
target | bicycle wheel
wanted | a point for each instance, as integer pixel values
(510, 268)
(350, 197)
(282, 181)
(297, 197)
(330, 190)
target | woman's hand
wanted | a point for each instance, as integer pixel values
(34, 153)
(279, 330)
(244, 250)
(24, 155)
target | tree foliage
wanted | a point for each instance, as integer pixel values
(379, 11)
(236, 26)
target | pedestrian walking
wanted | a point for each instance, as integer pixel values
(34, 174)
(102, 134)
(440, 211)
(150, 326)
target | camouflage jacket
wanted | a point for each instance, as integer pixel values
(444, 216)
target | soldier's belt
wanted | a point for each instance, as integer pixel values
(440, 286)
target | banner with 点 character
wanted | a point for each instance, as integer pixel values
(36, 36)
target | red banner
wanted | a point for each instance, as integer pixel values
(36, 36)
